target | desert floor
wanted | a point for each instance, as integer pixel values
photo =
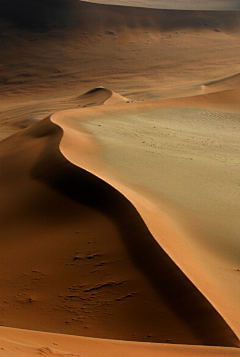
(120, 179)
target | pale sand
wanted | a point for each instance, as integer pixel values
(120, 218)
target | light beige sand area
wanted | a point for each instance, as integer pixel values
(119, 181)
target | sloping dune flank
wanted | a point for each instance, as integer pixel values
(110, 279)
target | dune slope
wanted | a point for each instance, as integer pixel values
(88, 277)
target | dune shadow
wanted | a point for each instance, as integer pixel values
(182, 297)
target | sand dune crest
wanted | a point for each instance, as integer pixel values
(98, 96)
(134, 259)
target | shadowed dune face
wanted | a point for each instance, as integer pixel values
(62, 196)
(96, 96)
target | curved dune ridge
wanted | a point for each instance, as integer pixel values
(88, 277)
(104, 124)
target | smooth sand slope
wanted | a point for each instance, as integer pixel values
(123, 266)
(55, 204)
(142, 136)
(119, 212)
(90, 274)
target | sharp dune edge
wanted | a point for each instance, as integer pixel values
(39, 144)
(119, 215)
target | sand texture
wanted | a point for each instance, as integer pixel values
(119, 178)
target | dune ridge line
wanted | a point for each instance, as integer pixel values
(125, 191)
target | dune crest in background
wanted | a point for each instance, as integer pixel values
(98, 96)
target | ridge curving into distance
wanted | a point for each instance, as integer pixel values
(54, 119)
(63, 195)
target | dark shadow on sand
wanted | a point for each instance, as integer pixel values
(182, 297)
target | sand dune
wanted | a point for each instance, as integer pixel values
(73, 305)
(121, 262)
(119, 179)
(98, 96)
(170, 140)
